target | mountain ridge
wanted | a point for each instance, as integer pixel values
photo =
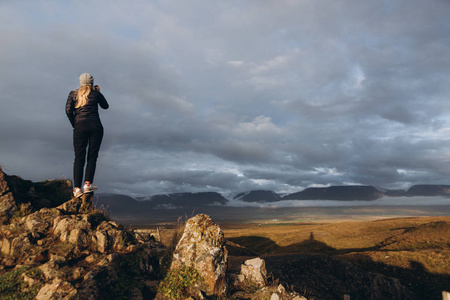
(128, 205)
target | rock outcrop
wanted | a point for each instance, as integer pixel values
(254, 271)
(202, 247)
(60, 248)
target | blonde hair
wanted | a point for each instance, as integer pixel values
(83, 93)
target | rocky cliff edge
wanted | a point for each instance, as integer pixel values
(55, 247)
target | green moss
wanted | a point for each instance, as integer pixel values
(35, 273)
(177, 283)
(12, 285)
(62, 248)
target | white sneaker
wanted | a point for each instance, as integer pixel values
(89, 188)
(77, 192)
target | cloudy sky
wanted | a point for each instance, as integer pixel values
(231, 96)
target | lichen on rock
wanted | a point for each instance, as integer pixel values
(202, 247)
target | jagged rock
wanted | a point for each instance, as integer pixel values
(100, 239)
(254, 271)
(81, 205)
(78, 237)
(7, 203)
(5, 246)
(20, 197)
(70, 207)
(7, 207)
(75, 274)
(109, 236)
(72, 229)
(92, 258)
(50, 270)
(69, 243)
(14, 246)
(202, 246)
(58, 259)
(36, 223)
(58, 289)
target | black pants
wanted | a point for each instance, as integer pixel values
(84, 135)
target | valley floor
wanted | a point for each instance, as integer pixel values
(415, 250)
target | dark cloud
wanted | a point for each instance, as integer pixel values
(231, 97)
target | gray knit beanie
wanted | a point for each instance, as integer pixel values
(86, 79)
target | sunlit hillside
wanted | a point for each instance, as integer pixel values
(414, 250)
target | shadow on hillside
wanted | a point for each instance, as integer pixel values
(313, 267)
(265, 246)
(424, 284)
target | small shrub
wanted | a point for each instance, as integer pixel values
(97, 216)
(177, 283)
(249, 287)
(177, 235)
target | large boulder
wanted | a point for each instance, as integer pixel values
(57, 289)
(254, 271)
(202, 247)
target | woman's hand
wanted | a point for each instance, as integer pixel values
(97, 88)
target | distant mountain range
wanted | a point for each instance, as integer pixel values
(258, 196)
(126, 205)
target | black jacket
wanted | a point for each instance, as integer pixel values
(88, 112)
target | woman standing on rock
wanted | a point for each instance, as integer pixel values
(82, 111)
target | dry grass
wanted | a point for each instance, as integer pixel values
(414, 250)
(425, 239)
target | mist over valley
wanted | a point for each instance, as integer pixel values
(312, 204)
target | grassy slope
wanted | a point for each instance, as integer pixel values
(396, 242)
(414, 250)
(408, 236)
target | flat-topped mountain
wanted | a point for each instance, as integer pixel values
(185, 200)
(428, 190)
(258, 196)
(345, 193)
